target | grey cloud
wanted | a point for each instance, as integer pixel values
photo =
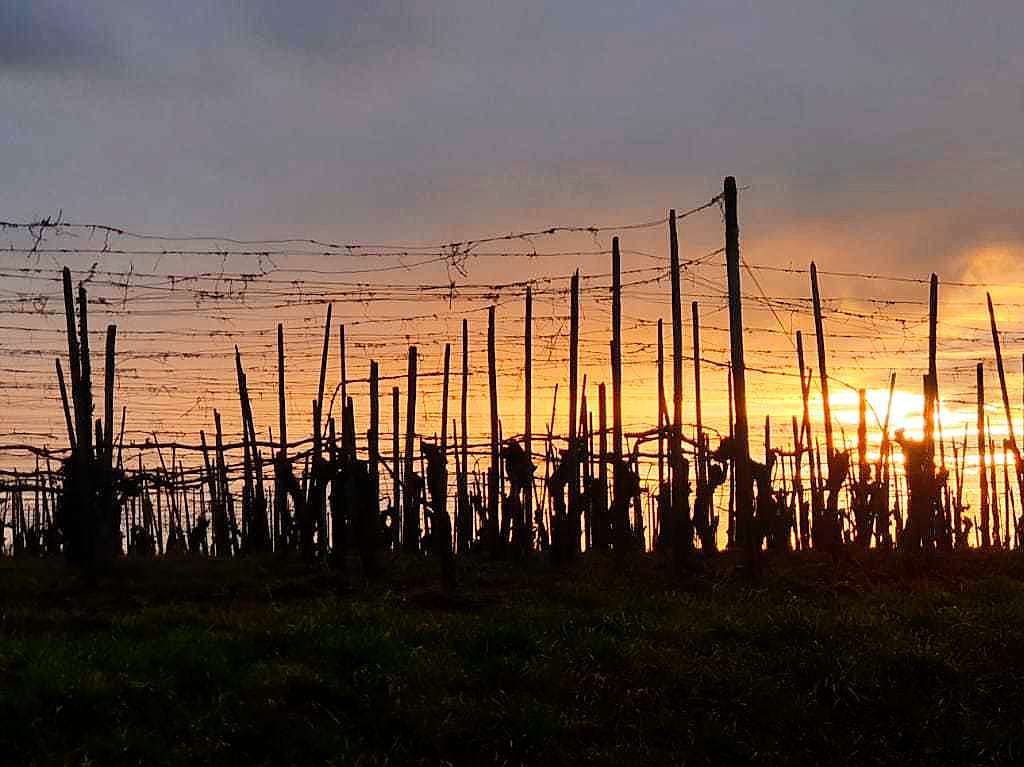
(37, 36)
(348, 31)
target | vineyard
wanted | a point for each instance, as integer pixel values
(301, 501)
(241, 401)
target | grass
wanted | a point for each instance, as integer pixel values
(608, 662)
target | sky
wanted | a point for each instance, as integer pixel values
(412, 119)
(876, 137)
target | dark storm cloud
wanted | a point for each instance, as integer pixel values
(55, 37)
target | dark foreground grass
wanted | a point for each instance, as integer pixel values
(606, 663)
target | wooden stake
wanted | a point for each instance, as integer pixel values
(64, 403)
(347, 439)
(396, 461)
(493, 488)
(85, 430)
(744, 489)
(819, 331)
(464, 524)
(572, 505)
(528, 413)
(373, 437)
(318, 410)
(986, 539)
(411, 527)
(74, 360)
(616, 351)
(662, 524)
(108, 395)
(602, 468)
(681, 533)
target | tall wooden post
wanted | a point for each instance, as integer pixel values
(396, 460)
(933, 378)
(85, 431)
(682, 536)
(701, 468)
(528, 413)
(74, 360)
(572, 505)
(616, 351)
(662, 525)
(744, 489)
(373, 437)
(281, 405)
(281, 531)
(64, 402)
(493, 483)
(319, 409)
(602, 468)
(443, 502)
(411, 522)
(348, 435)
(819, 332)
(108, 396)
(464, 524)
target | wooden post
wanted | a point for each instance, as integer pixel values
(883, 536)
(85, 430)
(528, 414)
(986, 540)
(744, 489)
(74, 360)
(662, 525)
(319, 409)
(602, 466)
(798, 487)
(616, 351)
(373, 437)
(396, 461)
(932, 389)
(819, 332)
(247, 448)
(572, 505)
(281, 532)
(411, 522)
(108, 396)
(221, 529)
(64, 403)
(682, 536)
(861, 510)
(442, 503)
(281, 405)
(933, 323)
(493, 489)
(464, 524)
(348, 440)
(993, 497)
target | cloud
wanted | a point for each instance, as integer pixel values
(350, 30)
(37, 36)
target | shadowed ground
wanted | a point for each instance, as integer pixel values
(606, 663)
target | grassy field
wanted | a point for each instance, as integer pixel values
(607, 662)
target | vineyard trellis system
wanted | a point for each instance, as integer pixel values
(433, 485)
